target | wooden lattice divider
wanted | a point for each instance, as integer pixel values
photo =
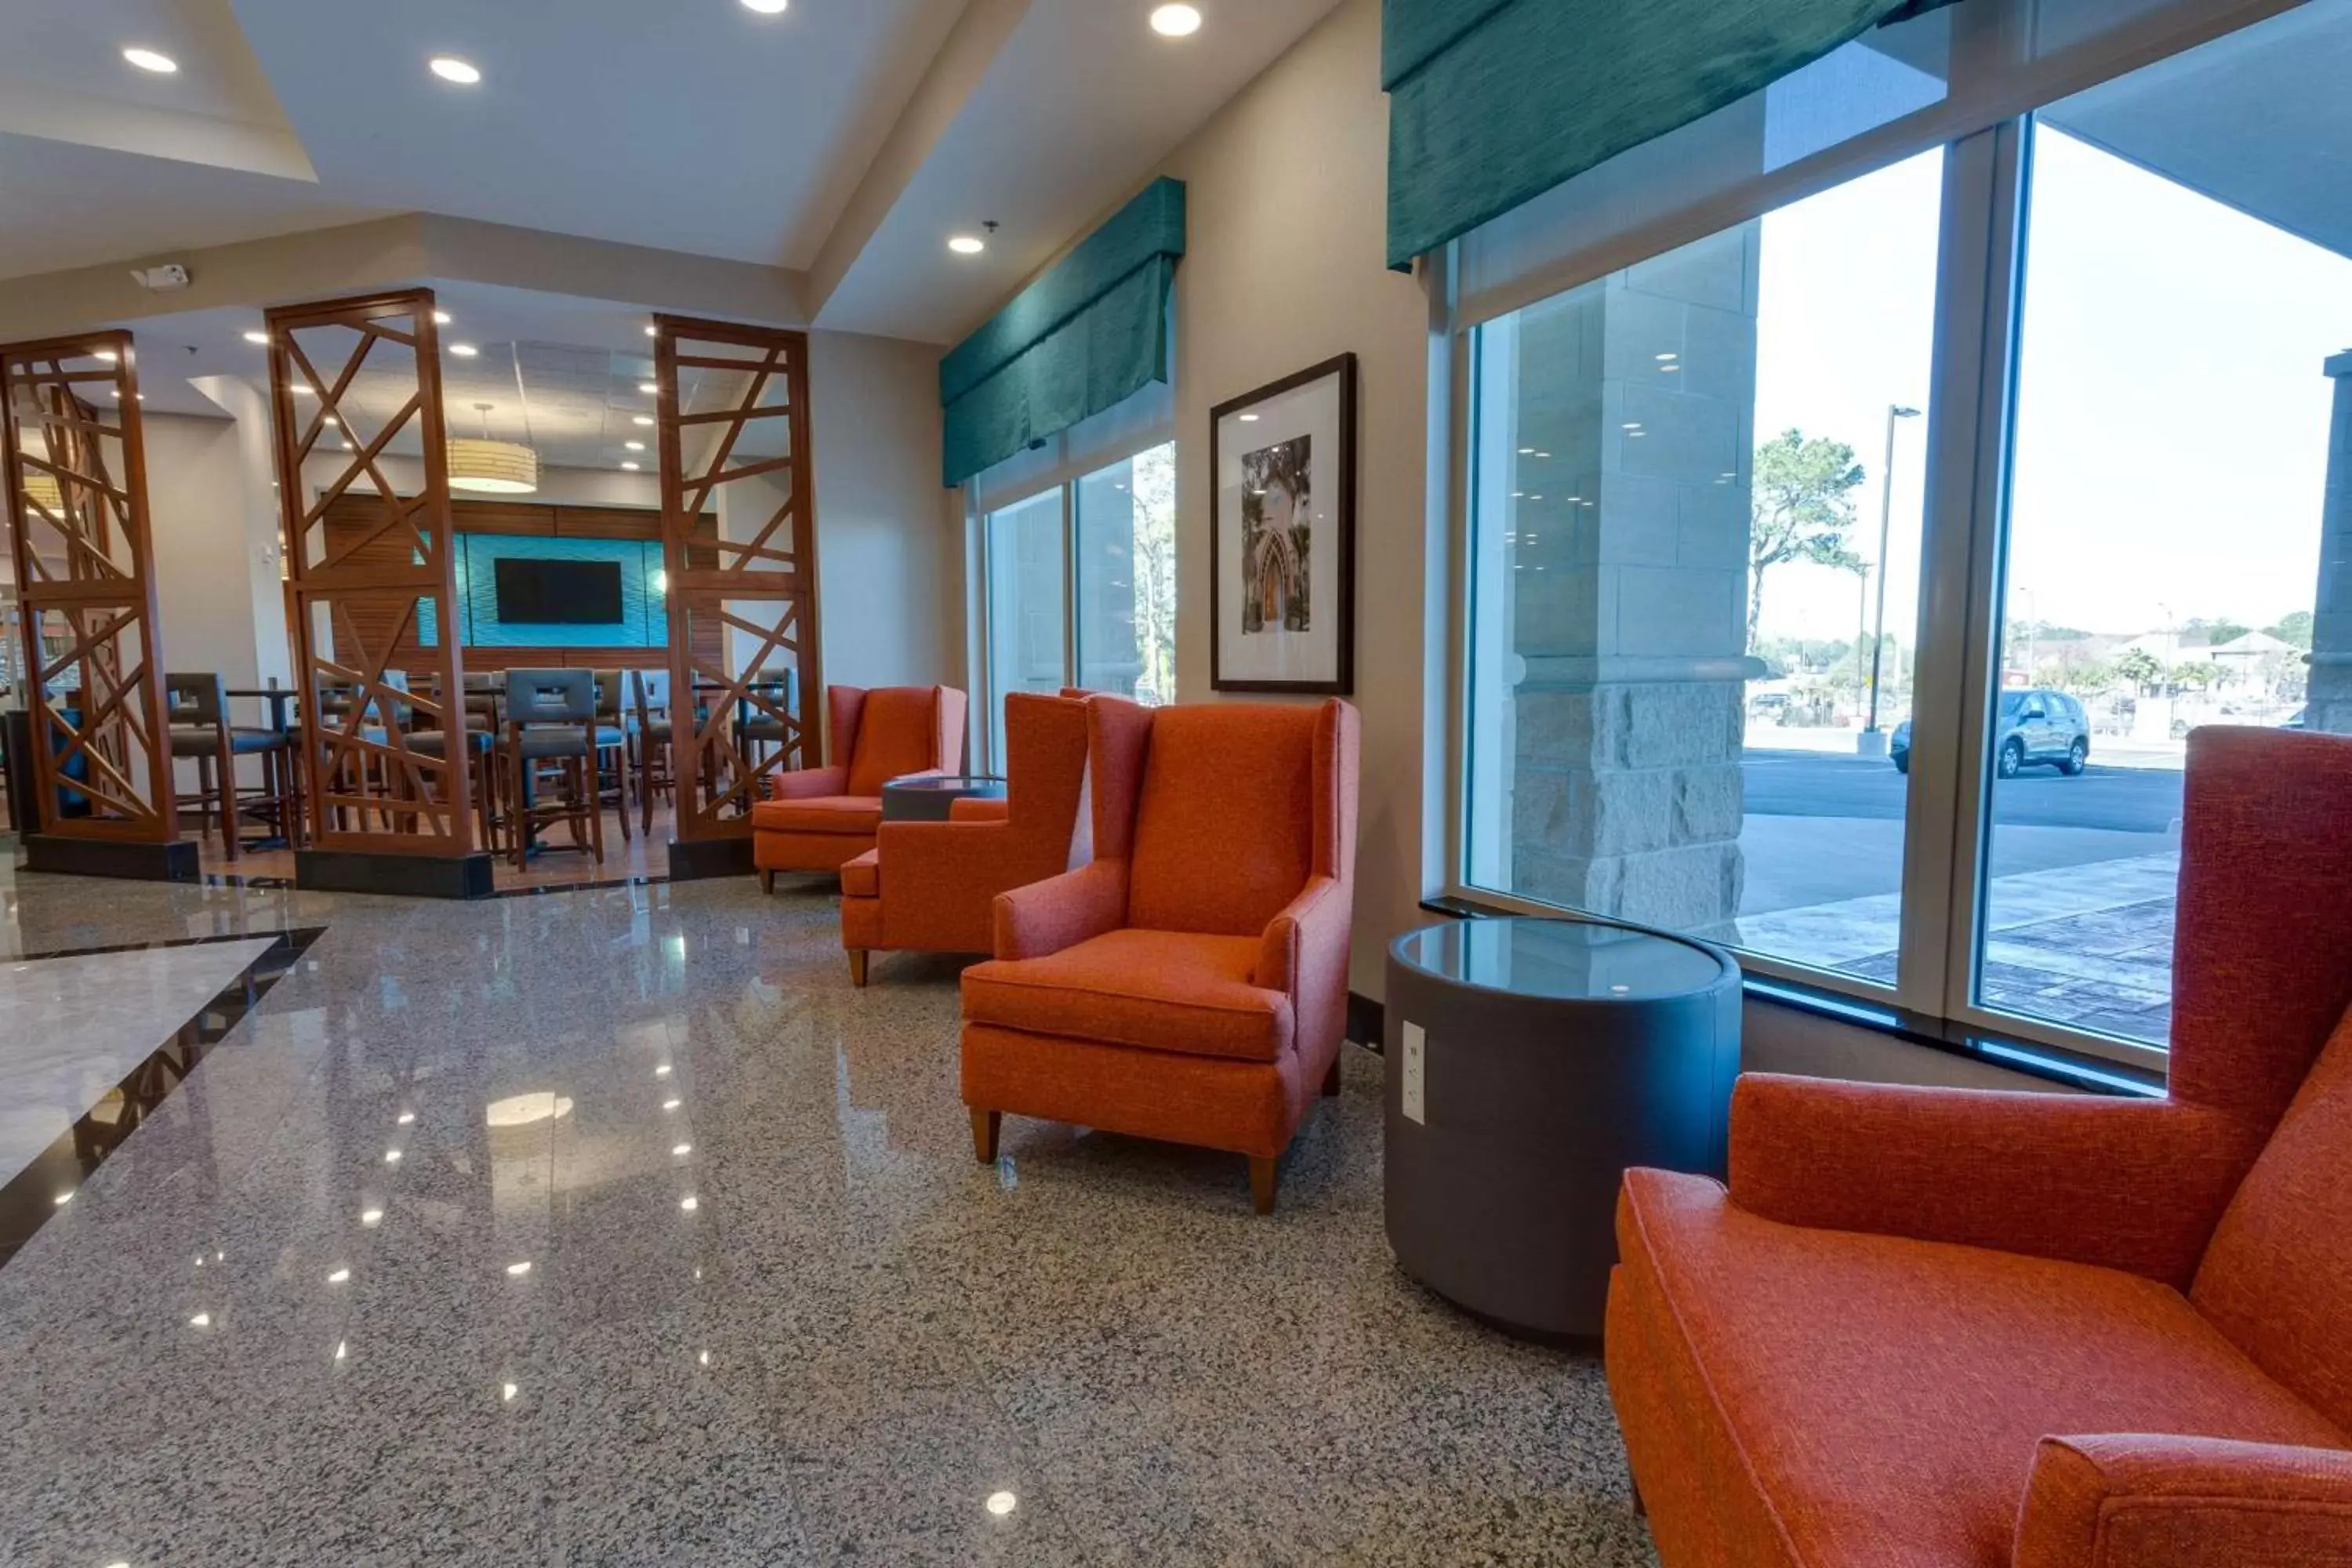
(730, 396)
(367, 371)
(73, 474)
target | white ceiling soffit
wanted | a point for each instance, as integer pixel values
(1083, 102)
(691, 125)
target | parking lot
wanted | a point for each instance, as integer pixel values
(2078, 911)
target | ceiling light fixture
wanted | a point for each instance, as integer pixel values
(1176, 21)
(441, 318)
(629, 467)
(464, 351)
(106, 356)
(449, 68)
(966, 243)
(148, 59)
(634, 446)
(641, 419)
(652, 332)
(487, 467)
(256, 338)
(767, 7)
(649, 389)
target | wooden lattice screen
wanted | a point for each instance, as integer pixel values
(350, 381)
(735, 439)
(76, 487)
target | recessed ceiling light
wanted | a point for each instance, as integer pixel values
(441, 318)
(966, 243)
(331, 419)
(1249, 418)
(256, 337)
(652, 332)
(767, 7)
(634, 445)
(449, 68)
(1176, 21)
(645, 419)
(649, 389)
(464, 351)
(629, 467)
(151, 60)
(106, 356)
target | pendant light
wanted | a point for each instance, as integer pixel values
(488, 467)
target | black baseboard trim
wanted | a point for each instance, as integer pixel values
(400, 875)
(60, 855)
(1368, 1022)
(700, 859)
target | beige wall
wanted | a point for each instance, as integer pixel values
(889, 545)
(197, 500)
(1284, 267)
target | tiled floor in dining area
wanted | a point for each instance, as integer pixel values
(614, 1227)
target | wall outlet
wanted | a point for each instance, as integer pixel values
(1416, 1073)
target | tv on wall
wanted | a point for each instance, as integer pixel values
(558, 593)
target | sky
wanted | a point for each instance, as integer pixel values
(2172, 415)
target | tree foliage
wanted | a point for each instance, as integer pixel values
(2294, 627)
(1802, 500)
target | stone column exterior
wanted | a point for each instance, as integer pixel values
(2331, 624)
(1629, 588)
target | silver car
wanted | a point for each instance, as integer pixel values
(2032, 725)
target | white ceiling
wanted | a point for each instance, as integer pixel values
(691, 126)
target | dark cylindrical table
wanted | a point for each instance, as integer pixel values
(931, 797)
(1530, 1062)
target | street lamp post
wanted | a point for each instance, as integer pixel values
(1894, 411)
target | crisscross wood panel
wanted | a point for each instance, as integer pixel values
(74, 473)
(735, 440)
(364, 590)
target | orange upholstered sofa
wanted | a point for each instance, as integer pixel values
(818, 818)
(932, 886)
(1945, 1328)
(1189, 981)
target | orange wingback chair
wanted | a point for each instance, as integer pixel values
(1941, 1328)
(818, 818)
(932, 886)
(1190, 983)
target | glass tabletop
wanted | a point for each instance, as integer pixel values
(970, 783)
(1572, 960)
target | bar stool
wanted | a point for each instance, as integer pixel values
(754, 727)
(651, 741)
(552, 718)
(201, 731)
(613, 717)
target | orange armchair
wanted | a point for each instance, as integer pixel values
(818, 818)
(1943, 1326)
(1190, 983)
(932, 886)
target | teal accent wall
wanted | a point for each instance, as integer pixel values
(644, 606)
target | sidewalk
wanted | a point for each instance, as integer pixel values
(2089, 946)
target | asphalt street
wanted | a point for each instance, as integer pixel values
(1812, 784)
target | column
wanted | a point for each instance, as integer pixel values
(2330, 707)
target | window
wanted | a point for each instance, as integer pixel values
(1842, 583)
(1109, 626)
(1027, 605)
(1697, 580)
(2182, 301)
(1126, 577)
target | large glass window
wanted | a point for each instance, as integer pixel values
(1696, 506)
(2187, 309)
(1126, 577)
(1027, 605)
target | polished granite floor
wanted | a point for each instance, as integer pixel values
(616, 1228)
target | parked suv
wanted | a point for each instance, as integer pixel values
(2034, 725)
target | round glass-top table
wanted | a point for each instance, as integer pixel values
(1530, 1062)
(931, 798)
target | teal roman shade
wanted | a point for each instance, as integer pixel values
(1086, 335)
(1492, 102)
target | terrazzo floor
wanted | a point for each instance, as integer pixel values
(615, 1226)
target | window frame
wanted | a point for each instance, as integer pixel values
(1970, 436)
(1062, 479)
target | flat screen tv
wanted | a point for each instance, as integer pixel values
(558, 593)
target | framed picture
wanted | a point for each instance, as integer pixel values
(1282, 544)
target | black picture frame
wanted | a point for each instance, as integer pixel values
(1340, 681)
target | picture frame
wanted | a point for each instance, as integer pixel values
(1282, 535)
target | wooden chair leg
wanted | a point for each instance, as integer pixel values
(592, 768)
(985, 1126)
(204, 795)
(620, 793)
(646, 784)
(1263, 1174)
(230, 838)
(1331, 1078)
(857, 956)
(766, 881)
